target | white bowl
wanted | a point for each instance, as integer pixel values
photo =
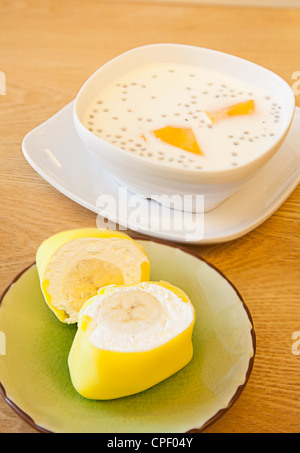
(150, 178)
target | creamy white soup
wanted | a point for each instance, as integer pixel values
(185, 116)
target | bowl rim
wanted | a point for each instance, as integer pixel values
(89, 137)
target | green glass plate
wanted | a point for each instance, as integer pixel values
(34, 373)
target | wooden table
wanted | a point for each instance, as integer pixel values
(47, 50)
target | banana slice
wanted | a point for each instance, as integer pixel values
(74, 264)
(130, 338)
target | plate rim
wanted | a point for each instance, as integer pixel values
(25, 417)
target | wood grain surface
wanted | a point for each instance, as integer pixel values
(47, 51)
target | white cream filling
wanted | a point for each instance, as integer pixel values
(136, 319)
(81, 266)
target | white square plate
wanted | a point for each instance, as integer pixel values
(56, 152)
